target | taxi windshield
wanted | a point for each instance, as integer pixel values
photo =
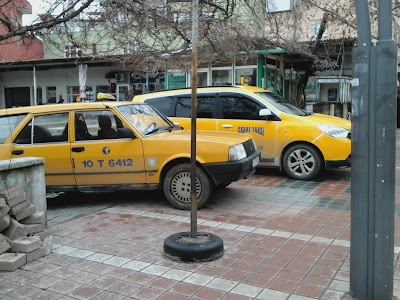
(282, 104)
(145, 119)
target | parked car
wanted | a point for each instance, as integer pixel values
(298, 142)
(106, 146)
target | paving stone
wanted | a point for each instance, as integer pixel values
(20, 207)
(4, 222)
(15, 230)
(26, 244)
(11, 191)
(4, 245)
(38, 217)
(26, 212)
(48, 245)
(35, 228)
(12, 261)
(40, 252)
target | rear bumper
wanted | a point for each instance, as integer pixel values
(231, 171)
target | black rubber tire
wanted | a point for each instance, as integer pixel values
(177, 247)
(206, 187)
(302, 162)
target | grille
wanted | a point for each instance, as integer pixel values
(249, 147)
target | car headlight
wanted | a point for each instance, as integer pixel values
(334, 131)
(237, 152)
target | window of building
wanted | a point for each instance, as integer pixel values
(51, 94)
(74, 92)
(206, 15)
(221, 77)
(278, 6)
(181, 17)
(313, 28)
(39, 95)
(131, 47)
(72, 51)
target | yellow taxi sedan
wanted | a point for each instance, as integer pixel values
(297, 142)
(105, 146)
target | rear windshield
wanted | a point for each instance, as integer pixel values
(7, 125)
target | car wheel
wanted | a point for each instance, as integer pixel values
(302, 162)
(177, 186)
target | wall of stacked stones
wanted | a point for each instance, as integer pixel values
(23, 212)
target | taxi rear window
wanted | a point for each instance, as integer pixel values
(8, 124)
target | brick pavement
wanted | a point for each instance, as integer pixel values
(284, 239)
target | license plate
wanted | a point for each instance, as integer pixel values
(256, 161)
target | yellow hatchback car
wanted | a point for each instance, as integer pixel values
(106, 146)
(298, 142)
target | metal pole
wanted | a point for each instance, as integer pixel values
(34, 87)
(195, 54)
(373, 157)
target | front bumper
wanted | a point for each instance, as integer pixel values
(233, 170)
(331, 164)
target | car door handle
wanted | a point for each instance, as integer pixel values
(78, 149)
(17, 152)
(227, 126)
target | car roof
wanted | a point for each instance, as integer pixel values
(61, 107)
(230, 88)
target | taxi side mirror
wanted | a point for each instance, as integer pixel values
(265, 112)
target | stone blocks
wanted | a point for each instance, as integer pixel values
(18, 219)
(26, 244)
(12, 261)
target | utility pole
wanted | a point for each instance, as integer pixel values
(373, 156)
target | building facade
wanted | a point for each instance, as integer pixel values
(20, 47)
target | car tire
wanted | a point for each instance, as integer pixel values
(205, 247)
(302, 162)
(177, 186)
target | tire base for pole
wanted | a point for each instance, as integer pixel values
(182, 247)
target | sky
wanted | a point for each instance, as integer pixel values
(37, 8)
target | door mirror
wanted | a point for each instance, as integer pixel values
(125, 133)
(265, 112)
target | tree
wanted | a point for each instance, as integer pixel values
(11, 25)
(142, 34)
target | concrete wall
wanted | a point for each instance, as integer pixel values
(29, 173)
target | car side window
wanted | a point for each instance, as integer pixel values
(239, 107)
(98, 125)
(45, 129)
(162, 104)
(205, 107)
(7, 125)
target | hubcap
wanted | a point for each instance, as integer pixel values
(181, 186)
(301, 162)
